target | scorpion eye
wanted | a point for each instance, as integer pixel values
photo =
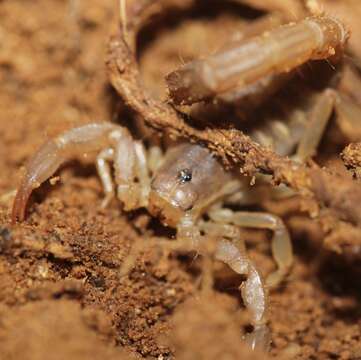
(185, 175)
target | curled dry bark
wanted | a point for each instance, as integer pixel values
(336, 199)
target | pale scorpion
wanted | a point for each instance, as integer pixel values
(189, 182)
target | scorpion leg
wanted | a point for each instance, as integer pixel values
(131, 173)
(136, 166)
(318, 119)
(233, 253)
(104, 172)
(281, 242)
(348, 119)
(142, 172)
(155, 157)
(348, 116)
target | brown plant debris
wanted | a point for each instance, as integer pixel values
(351, 157)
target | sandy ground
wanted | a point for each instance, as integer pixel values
(61, 295)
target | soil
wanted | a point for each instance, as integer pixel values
(61, 292)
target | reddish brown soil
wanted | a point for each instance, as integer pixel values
(61, 296)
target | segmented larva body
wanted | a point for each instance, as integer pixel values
(275, 51)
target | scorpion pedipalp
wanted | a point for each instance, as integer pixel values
(45, 162)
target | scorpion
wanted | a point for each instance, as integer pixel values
(188, 184)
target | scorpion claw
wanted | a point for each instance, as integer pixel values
(44, 163)
(260, 338)
(18, 211)
(52, 154)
